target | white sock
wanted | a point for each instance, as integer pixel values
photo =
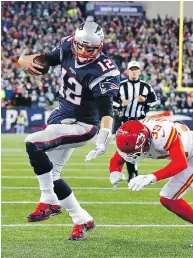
(47, 189)
(78, 214)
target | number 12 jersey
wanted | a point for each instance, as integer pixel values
(83, 83)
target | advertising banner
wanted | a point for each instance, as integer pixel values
(183, 116)
(119, 8)
(35, 119)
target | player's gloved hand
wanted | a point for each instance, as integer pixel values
(138, 182)
(101, 144)
(115, 178)
(99, 150)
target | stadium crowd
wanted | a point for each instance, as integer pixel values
(39, 26)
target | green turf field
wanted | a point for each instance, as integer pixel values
(129, 224)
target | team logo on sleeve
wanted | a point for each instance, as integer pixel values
(107, 86)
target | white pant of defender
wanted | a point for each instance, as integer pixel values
(180, 184)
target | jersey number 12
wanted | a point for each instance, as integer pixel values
(71, 89)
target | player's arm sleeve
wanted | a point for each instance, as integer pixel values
(116, 163)
(55, 56)
(178, 159)
(105, 84)
(151, 99)
(103, 93)
(105, 106)
(105, 110)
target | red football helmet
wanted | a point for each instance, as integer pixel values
(133, 141)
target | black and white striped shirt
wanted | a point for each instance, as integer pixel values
(131, 90)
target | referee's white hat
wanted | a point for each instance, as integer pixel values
(133, 64)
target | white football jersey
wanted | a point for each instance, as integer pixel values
(163, 133)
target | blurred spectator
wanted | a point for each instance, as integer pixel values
(34, 99)
(16, 99)
(144, 76)
(190, 100)
(49, 97)
(20, 123)
(26, 100)
(42, 100)
(183, 102)
(39, 26)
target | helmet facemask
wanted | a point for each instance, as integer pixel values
(140, 151)
(87, 56)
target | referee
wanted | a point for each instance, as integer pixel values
(135, 98)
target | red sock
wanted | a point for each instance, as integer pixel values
(180, 207)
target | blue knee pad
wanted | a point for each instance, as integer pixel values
(61, 189)
(38, 159)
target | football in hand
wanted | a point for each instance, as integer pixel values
(40, 60)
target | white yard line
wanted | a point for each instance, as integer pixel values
(70, 171)
(103, 225)
(77, 164)
(74, 188)
(84, 202)
(65, 170)
(67, 177)
(13, 150)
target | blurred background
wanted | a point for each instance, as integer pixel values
(157, 34)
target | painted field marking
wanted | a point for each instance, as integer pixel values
(66, 170)
(103, 225)
(80, 164)
(67, 177)
(74, 188)
(84, 202)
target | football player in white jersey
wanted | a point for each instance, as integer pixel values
(158, 139)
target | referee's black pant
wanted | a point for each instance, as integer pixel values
(132, 169)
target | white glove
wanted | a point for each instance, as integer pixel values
(138, 182)
(115, 178)
(99, 150)
(101, 144)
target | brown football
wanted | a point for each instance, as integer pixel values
(40, 60)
